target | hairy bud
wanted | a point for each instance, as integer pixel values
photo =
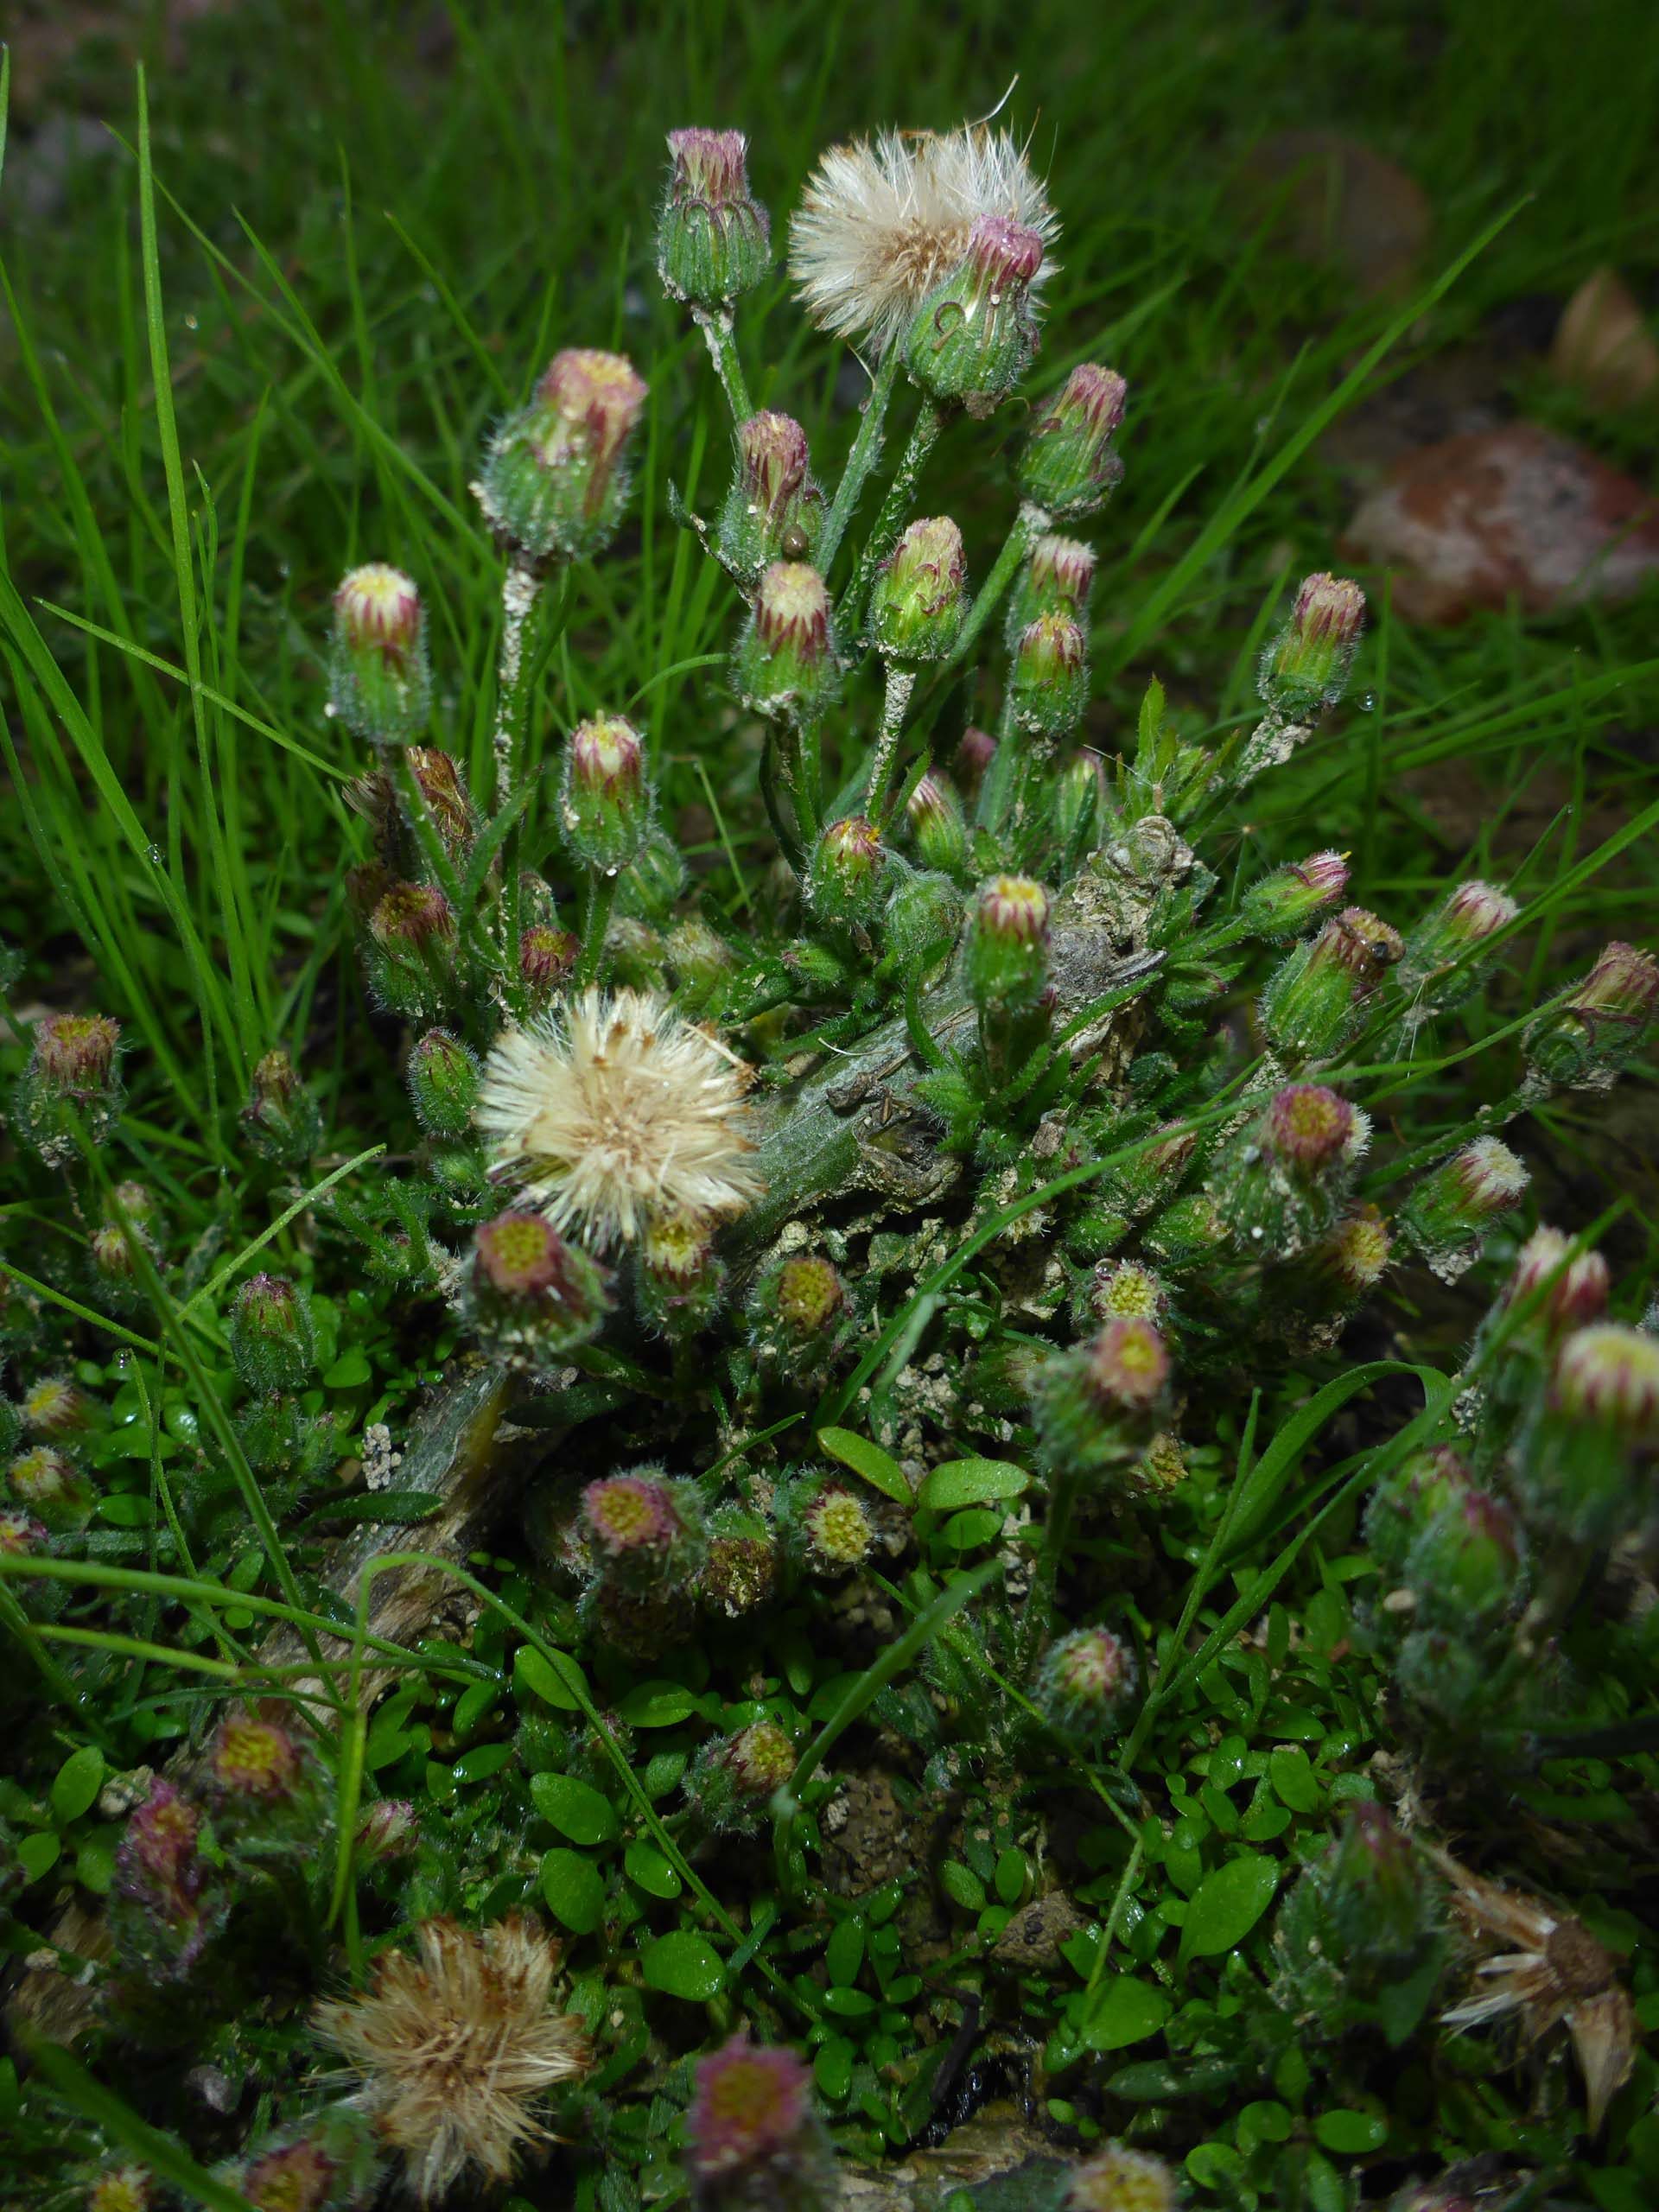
(713, 240)
(1069, 467)
(555, 476)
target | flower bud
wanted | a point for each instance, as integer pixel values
(555, 477)
(546, 955)
(804, 1302)
(785, 664)
(844, 881)
(751, 2138)
(1577, 1288)
(1380, 1902)
(1057, 579)
(643, 1530)
(733, 1779)
(918, 600)
(976, 750)
(837, 1532)
(48, 1488)
(272, 1340)
(774, 512)
(740, 1574)
(714, 240)
(1407, 1499)
(282, 1120)
(531, 1295)
(1305, 669)
(1123, 1290)
(1607, 1376)
(1099, 1404)
(1048, 680)
(680, 1279)
(409, 950)
(1068, 467)
(125, 2188)
(442, 1078)
(1085, 1686)
(1279, 1184)
(295, 2176)
(253, 1761)
(1604, 1027)
(1464, 1569)
(1444, 965)
(166, 1904)
(1449, 1211)
(1352, 1259)
(1281, 906)
(1117, 2179)
(1316, 998)
(1080, 806)
(1007, 946)
(935, 816)
(72, 1077)
(973, 336)
(56, 1409)
(389, 1829)
(604, 803)
(379, 683)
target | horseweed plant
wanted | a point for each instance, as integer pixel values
(980, 1188)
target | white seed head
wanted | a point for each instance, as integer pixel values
(611, 1112)
(885, 220)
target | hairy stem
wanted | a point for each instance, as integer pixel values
(715, 324)
(900, 499)
(601, 897)
(866, 445)
(901, 682)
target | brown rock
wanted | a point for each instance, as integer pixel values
(1334, 199)
(1516, 513)
(1602, 347)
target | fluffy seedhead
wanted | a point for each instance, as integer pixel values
(884, 221)
(455, 2046)
(615, 1111)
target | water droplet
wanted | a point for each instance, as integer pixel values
(1366, 701)
(612, 873)
(996, 299)
(190, 323)
(154, 854)
(1258, 1234)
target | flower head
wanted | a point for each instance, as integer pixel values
(1610, 1374)
(1309, 1126)
(125, 2188)
(1085, 1682)
(454, 2046)
(630, 1515)
(615, 1109)
(885, 220)
(749, 2113)
(838, 1530)
(1577, 1287)
(1118, 2179)
(1128, 1365)
(253, 1758)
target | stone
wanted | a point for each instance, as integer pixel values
(1332, 199)
(1603, 346)
(1516, 513)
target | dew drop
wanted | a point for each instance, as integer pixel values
(190, 323)
(1366, 701)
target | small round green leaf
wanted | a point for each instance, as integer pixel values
(684, 1964)
(1123, 2012)
(956, 1483)
(574, 1888)
(1351, 2134)
(556, 1684)
(1227, 1904)
(645, 1865)
(574, 1807)
(76, 1784)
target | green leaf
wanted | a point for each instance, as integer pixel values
(1351, 2134)
(38, 1854)
(684, 1964)
(644, 1865)
(574, 1888)
(95, 1861)
(1293, 1778)
(1227, 1904)
(658, 1705)
(122, 1510)
(956, 1483)
(965, 1531)
(574, 1807)
(349, 1369)
(394, 1508)
(1123, 2012)
(562, 1686)
(961, 1885)
(832, 2069)
(481, 1763)
(76, 1784)
(879, 1468)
